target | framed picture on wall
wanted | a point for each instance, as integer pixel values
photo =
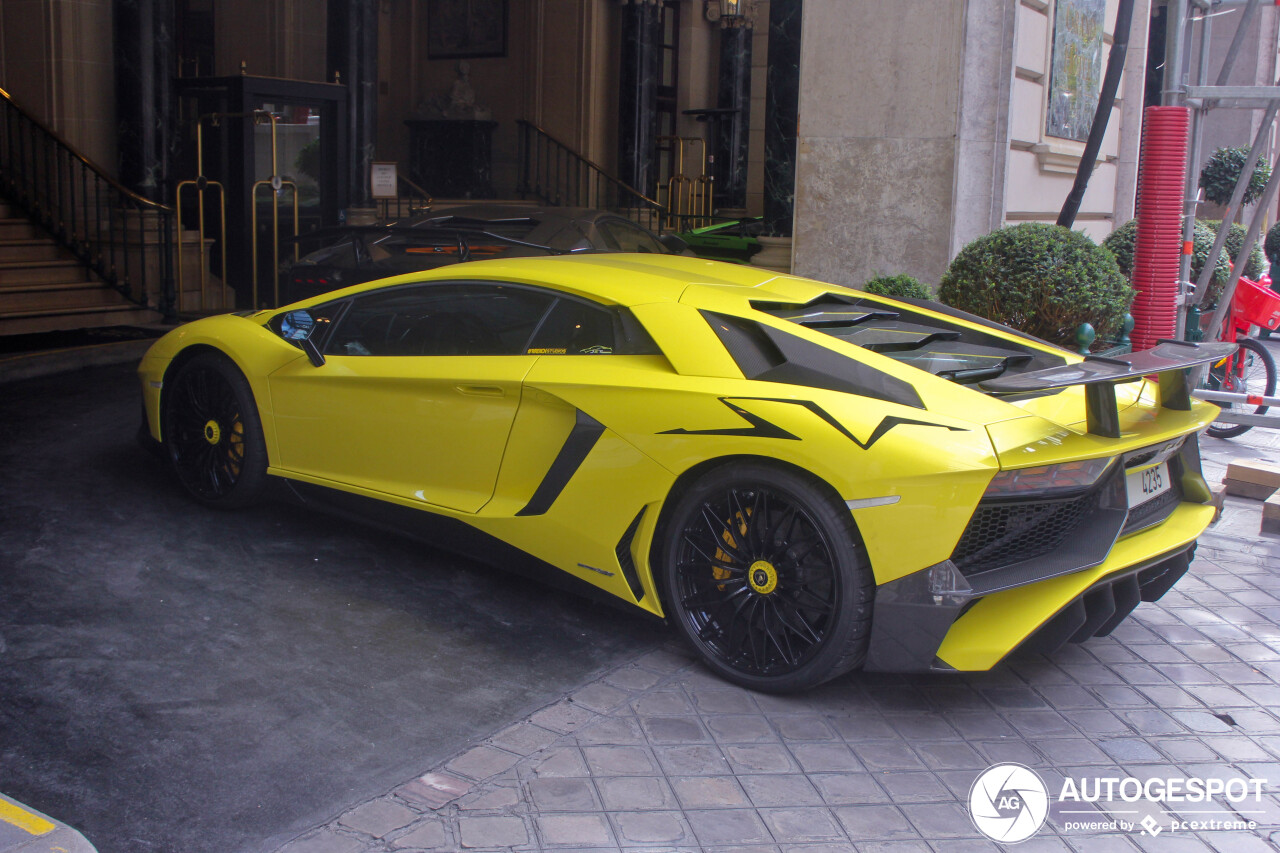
(466, 29)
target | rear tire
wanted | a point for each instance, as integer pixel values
(765, 577)
(212, 434)
(1259, 377)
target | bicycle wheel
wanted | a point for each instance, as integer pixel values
(1252, 371)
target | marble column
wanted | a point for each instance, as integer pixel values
(781, 116)
(638, 95)
(731, 130)
(352, 51)
(144, 65)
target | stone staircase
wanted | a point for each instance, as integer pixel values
(44, 288)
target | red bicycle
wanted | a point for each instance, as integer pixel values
(1251, 370)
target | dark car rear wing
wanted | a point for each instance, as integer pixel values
(1168, 360)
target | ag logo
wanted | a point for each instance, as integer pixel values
(1008, 803)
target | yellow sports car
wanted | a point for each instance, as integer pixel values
(802, 478)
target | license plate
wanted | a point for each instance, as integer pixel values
(1148, 483)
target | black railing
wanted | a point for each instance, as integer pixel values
(124, 238)
(557, 175)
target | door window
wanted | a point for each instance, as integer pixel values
(444, 319)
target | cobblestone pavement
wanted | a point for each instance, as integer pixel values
(657, 755)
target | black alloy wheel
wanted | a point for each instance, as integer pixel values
(764, 578)
(212, 433)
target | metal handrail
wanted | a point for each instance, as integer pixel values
(104, 224)
(558, 175)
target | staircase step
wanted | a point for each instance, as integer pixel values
(12, 228)
(48, 297)
(34, 249)
(42, 272)
(83, 318)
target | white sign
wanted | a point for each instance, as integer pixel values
(382, 180)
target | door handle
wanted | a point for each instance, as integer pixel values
(481, 390)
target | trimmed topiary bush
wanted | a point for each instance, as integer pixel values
(1043, 279)
(1219, 175)
(1271, 244)
(901, 285)
(1121, 242)
(1256, 264)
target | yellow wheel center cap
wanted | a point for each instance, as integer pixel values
(763, 577)
(212, 432)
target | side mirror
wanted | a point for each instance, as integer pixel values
(298, 326)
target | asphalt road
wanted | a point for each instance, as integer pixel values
(181, 679)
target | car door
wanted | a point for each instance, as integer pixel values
(416, 397)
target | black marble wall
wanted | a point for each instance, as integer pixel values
(638, 96)
(352, 50)
(731, 129)
(781, 115)
(145, 111)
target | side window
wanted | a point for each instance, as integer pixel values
(440, 319)
(575, 328)
(622, 236)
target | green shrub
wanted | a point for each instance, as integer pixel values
(1121, 243)
(1257, 264)
(1271, 245)
(1219, 175)
(898, 286)
(1043, 279)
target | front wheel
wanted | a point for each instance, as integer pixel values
(212, 434)
(1251, 370)
(765, 578)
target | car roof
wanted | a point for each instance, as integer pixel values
(628, 279)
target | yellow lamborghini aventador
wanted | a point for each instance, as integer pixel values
(802, 478)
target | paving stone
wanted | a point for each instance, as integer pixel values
(650, 827)
(709, 792)
(1012, 698)
(722, 827)
(1040, 724)
(665, 661)
(636, 793)
(669, 730)
(740, 728)
(663, 702)
(985, 725)
(1015, 751)
(600, 697)
(378, 817)
(940, 820)
(1096, 723)
(906, 786)
(633, 678)
(1071, 750)
(1186, 749)
(1152, 722)
(425, 836)
(492, 831)
(759, 758)
(724, 701)
(887, 756)
(434, 790)
(560, 761)
(490, 799)
(817, 757)
(949, 755)
(876, 823)
(619, 761)
(481, 762)
(816, 824)
(579, 830)
(563, 717)
(777, 789)
(862, 726)
(692, 760)
(1129, 749)
(523, 738)
(563, 795)
(617, 731)
(804, 727)
(852, 788)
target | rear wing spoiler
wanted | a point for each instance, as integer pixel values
(1168, 360)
